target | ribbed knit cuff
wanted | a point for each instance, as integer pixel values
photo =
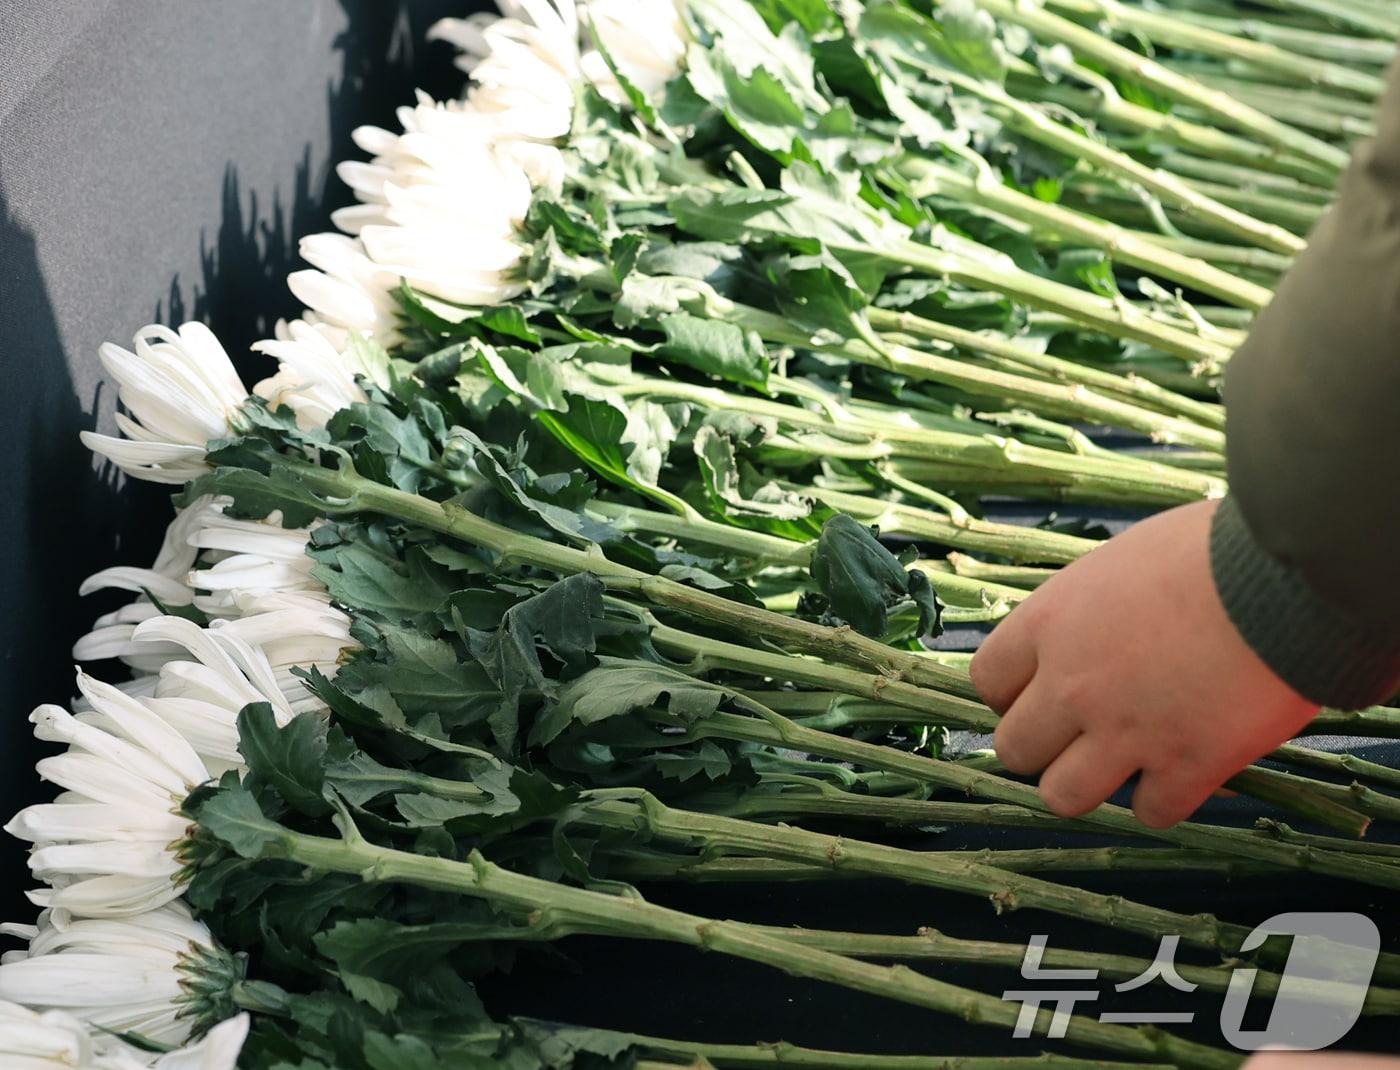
(1323, 655)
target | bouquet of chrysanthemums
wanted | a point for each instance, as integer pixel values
(594, 523)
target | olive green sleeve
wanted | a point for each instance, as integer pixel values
(1306, 548)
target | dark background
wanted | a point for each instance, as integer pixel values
(158, 159)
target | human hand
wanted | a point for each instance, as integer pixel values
(1126, 662)
(1319, 1060)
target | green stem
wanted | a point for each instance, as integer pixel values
(986, 188)
(1088, 309)
(1339, 48)
(561, 910)
(959, 529)
(1342, 13)
(1164, 29)
(1086, 42)
(1027, 577)
(774, 730)
(1360, 800)
(1383, 722)
(1234, 255)
(1032, 860)
(345, 491)
(1007, 891)
(1341, 764)
(1306, 798)
(859, 438)
(1126, 386)
(932, 945)
(706, 653)
(1197, 167)
(1136, 124)
(783, 1054)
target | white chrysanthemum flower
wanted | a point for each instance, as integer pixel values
(646, 40)
(55, 1040)
(241, 559)
(524, 65)
(298, 629)
(107, 845)
(345, 290)
(158, 974)
(181, 390)
(316, 378)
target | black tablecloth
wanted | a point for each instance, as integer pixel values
(158, 159)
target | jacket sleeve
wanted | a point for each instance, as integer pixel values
(1306, 548)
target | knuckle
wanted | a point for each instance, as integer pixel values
(1075, 692)
(1065, 800)
(1009, 751)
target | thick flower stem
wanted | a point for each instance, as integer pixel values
(1030, 860)
(774, 730)
(697, 1056)
(1077, 401)
(932, 945)
(347, 491)
(1128, 387)
(1091, 44)
(1377, 21)
(929, 177)
(957, 529)
(1341, 764)
(1337, 47)
(1021, 544)
(868, 438)
(1134, 122)
(705, 654)
(562, 910)
(1006, 890)
(1166, 29)
(1382, 722)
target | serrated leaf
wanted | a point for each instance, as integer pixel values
(289, 759)
(618, 687)
(860, 578)
(423, 676)
(367, 579)
(232, 816)
(563, 620)
(715, 348)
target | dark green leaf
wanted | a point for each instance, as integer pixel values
(292, 760)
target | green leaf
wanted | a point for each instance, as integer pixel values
(757, 104)
(563, 620)
(963, 39)
(716, 348)
(258, 492)
(619, 686)
(709, 759)
(626, 446)
(399, 441)
(720, 467)
(862, 579)
(564, 1047)
(809, 211)
(232, 816)
(374, 580)
(423, 676)
(291, 760)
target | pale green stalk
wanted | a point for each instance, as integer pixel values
(561, 910)
(1091, 44)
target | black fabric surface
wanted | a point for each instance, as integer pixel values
(158, 159)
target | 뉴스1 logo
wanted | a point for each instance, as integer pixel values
(1319, 996)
